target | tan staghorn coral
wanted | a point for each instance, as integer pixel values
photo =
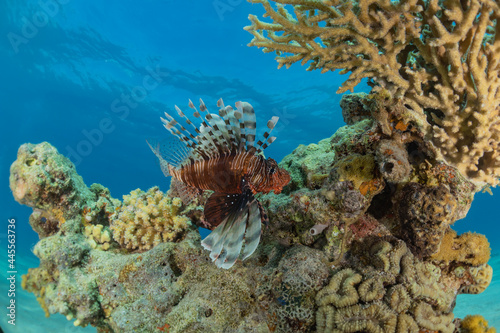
(148, 218)
(441, 58)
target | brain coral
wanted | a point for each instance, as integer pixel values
(389, 290)
(146, 219)
(481, 276)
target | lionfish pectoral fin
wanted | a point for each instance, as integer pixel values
(169, 153)
(185, 192)
(241, 220)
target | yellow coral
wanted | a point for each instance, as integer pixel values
(360, 170)
(469, 248)
(146, 219)
(98, 236)
(475, 324)
(439, 57)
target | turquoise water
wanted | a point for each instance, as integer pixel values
(78, 75)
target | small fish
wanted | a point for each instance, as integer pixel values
(223, 157)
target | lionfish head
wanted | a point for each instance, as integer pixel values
(278, 177)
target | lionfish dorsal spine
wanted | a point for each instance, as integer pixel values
(232, 130)
(177, 130)
(270, 125)
(249, 123)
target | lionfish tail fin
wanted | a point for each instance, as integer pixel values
(231, 130)
(241, 223)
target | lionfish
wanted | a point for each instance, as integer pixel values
(224, 157)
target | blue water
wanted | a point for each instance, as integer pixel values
(93, 77)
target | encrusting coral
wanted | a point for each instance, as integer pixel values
(441, 58)
(147, 219)
(470, 248)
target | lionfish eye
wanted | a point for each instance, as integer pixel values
(272, 170)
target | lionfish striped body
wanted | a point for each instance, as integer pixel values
(223, 157)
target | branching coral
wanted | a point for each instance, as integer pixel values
(147, 219)
(440, 57)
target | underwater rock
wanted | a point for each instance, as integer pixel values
(353, 108)
(44, 179)
(352, 243)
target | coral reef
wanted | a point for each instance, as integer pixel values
(147, 219)
(395, 292)
(360, 240)
(475, 324)
(440, 58)
(91, 279)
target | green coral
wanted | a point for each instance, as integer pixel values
(308, 165)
